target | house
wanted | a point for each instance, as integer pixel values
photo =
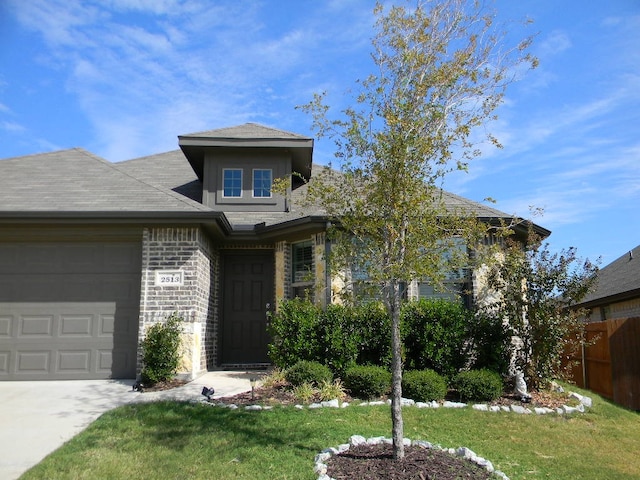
(617, 291)
(93, 252)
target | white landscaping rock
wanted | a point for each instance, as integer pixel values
(331, 404)
(320, 469)
(356, 440)
(322, 457)
(375, 440)
(586, 401)
(422, 444)
(464, 452)
(481, 407)
(449, 404)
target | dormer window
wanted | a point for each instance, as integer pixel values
(232, 182)
(262, 179)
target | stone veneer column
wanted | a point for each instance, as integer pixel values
(280, 272)
(320, 269)
(188, 250)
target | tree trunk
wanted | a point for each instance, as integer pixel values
(396, 371)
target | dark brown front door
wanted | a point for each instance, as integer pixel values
(247, 289)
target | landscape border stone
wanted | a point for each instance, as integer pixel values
(584, 402)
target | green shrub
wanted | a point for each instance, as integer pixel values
(489, 344)
(161, 351)
(293, 332)
(423, 385)
(480, 385)
(367, 381)
(310, 372)
(340, 337)
(374, 326)
(435, 334)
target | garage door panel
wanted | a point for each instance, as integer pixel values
(4, 363)
(106, 326)
(69, 310)
(76, 326)
(73, 361)
(32, 326)
(31, 362)
(104, 360)
(6, 324)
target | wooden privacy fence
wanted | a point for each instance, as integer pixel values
(611, 365)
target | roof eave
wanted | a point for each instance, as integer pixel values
(194, 149)
(618, 297)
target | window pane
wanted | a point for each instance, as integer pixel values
(232, 183)
(302, 262)
(262, 183)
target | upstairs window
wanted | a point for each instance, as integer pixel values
(262, 179)
(232, 182)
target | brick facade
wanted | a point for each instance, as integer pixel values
(186, 250)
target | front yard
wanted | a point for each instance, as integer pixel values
(172, 440)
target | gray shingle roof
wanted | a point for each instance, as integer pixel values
(248, 131)
(620, 277)
(169, 170)
(300, 210)
(77, 181)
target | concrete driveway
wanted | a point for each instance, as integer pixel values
(38, 417)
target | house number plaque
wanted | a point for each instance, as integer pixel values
(169, 278)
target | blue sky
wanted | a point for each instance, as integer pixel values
(123, 78)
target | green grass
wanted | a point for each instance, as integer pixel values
(179, 440)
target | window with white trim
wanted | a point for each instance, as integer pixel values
(262, 179)
(232, 182)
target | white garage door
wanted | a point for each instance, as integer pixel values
(69, 310)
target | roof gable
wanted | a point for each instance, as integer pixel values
(248, 135)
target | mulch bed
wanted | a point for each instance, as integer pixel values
(375, 462)
(284, 396)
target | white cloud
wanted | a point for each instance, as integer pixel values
(556, 42)
(12, 127)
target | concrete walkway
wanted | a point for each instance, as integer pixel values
(38, 417)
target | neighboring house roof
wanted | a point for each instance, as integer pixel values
(617, 281)
(76, 181)
(247, 135)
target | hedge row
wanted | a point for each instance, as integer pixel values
(368, 381)
(437, 334)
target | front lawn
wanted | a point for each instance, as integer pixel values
(171, 440)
